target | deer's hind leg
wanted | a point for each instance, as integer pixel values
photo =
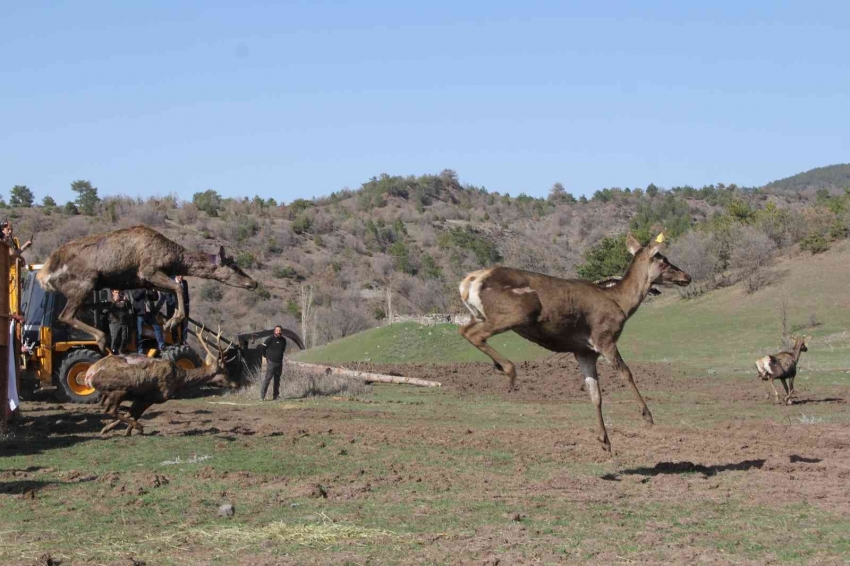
(587, 362)
(775, 392)
(497, 306)
(76, 293)
(477, 334)
(612, 354)
(119, 418)
(136, 410)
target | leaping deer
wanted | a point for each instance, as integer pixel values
(130, 258)
(566, 315)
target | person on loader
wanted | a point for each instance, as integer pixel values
(119, 321)
(146, 303)
(9, 238)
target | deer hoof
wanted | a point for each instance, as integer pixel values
(647, 416)
(606, 444)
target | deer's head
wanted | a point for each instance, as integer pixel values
(227, 271)
(226, 363)
(652, 261)
(801, 344)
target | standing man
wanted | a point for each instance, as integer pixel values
(171, 306)
(145, 307)
(273, 349)
(119, 322)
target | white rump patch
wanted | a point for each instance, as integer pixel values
(54, 275)
(522, 290)
(763, 366)
(474, 301)
(470, 293)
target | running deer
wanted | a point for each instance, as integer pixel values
(566, 315)
(782, 366)
(147, 381)
(130, 258)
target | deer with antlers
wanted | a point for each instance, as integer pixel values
(130, 258)
(567, 315)
(148, 381)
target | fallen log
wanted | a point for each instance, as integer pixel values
(366, 376)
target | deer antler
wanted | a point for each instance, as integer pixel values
(200, 334)
(218, 344)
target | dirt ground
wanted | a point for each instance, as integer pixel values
(557, 378)
(753, 453)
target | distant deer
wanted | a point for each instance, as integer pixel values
(147, 381)
(782, 366)
(566, 315)
(130, 258)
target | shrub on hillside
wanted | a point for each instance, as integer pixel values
(211, 291)
(814, 243)
(606, 259)
(302, 224)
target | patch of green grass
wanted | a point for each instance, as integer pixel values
(410, 342)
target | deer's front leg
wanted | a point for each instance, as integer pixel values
(591, 380)
(614, 358)
(166, 284)
(787, 399)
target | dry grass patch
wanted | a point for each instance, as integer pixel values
(298, 383)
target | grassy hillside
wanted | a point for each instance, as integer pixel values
(830, 177)
(418, 235)
(722, 331)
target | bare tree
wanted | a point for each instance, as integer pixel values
(751, 255)
(697, 254)
(306, 310)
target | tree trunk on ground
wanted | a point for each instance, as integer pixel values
(366, 376)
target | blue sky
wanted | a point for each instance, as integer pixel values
(298, 99)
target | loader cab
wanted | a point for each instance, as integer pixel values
(58, 354)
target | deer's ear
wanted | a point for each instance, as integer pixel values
(632, 244)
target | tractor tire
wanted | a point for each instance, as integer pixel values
(72, 371)
(183, 356)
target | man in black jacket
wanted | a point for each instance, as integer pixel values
(119, 321)
(273, 349)
(146, 305)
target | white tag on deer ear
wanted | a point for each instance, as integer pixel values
(660, 238)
